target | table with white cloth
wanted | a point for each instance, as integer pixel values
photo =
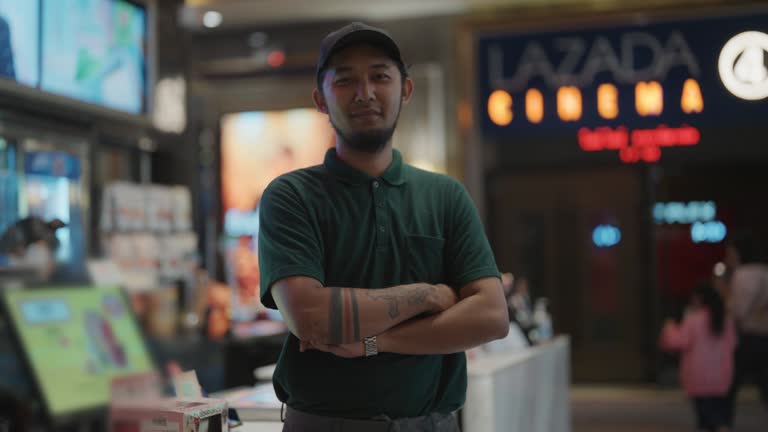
(520, 391)
(260, 426)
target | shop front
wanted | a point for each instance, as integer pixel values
(624, 152)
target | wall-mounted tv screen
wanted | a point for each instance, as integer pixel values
(94, 50)
(19, 41)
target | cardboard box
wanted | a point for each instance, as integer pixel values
(169, 415)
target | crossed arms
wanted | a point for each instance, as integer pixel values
(408, 319)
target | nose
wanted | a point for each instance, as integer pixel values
(365, 91)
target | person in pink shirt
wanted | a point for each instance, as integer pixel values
(706, 340)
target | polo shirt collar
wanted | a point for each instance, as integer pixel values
(344, 172)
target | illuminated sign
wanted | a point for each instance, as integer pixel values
(699, 214)
(569, 103)
(638, 145)
(605, 236)
(635, 90)
(583, 59)
(691, 101)
(534, 106)
(608, 101)
(708, 232)
(684, 213)
(742, 65)
(649, 101)
(500, 107)
(649, 98)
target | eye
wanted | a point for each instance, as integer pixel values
(381, 77)
(342, 81)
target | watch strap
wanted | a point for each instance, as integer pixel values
(371, 346)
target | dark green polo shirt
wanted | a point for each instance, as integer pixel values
(344, 228)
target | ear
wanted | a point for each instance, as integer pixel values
(319, 101)
(407, 90)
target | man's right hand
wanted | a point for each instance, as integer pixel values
(443, 297)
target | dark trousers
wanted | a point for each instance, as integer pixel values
(711, 412)
(297, 421)
(750, 362)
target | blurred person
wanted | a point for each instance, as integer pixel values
(521, 302)
(31, 242)
(217, 316)
(706, 340)
(246, 265)
(382, 271)
(516, 339)
(7, 68)
(748, 303)
(518, 306)
(719, 280)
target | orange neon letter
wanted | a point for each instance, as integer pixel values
(500, 107)
(649, 98)
(691, 101)
(608, 101)
(569, 103)
(534, 106)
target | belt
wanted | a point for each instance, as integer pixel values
(304, 422)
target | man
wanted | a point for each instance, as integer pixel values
(382, 272)
(748, 304)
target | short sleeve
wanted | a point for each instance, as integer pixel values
(468, 254)
(677, 337)
(289, 244)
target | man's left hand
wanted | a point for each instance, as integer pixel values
(352, 350)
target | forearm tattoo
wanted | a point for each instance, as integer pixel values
(344, 314)
(411, 296)
(344, 317)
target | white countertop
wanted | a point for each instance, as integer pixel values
(259, 427)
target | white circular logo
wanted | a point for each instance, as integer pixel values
(742, 65)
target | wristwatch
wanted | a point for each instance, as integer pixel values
(371, 347)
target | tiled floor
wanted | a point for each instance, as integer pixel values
(611, 409)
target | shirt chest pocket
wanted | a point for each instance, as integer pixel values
(424, 259)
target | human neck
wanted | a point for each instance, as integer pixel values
(373, 164)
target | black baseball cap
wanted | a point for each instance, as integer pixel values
(353, 34)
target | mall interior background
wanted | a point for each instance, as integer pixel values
(597, 138)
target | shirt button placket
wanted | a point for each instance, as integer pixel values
(380, 215)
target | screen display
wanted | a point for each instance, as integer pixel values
(93, 50)
(19, 41)
(256, 148)
(76, 340)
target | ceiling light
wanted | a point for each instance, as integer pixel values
(212, 19)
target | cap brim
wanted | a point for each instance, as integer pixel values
(370, 37)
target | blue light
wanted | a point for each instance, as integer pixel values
(708, 232)
(241, 223)
(658, 213)
(684, 213)
(605, 236)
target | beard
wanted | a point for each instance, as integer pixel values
(370, 141)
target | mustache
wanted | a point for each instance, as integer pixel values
(360, 109)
